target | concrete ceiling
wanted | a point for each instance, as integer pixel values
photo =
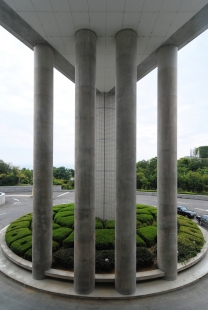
(155, 21)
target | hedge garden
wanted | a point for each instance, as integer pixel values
(19, 238)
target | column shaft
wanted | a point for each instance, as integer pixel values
(85, 95)
(43, 161)
(167, 161)
(126, 77)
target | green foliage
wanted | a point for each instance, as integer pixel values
(19, 238)
(63, 176)
(110, 224)
(203, 151)
(18, 224)
(26, 217)
(142, 211)
(104, 260)
(61, 233)
(21, 246)
(105, 239)
(192, 174)
(144, 258)
(140, 242)
(65, 257)
(15, 234)
(98, 223)
(69, 241)
(145, 218)
(148, 234)
(63, 213)
(28, 255)
(55, 226)
(66, 221)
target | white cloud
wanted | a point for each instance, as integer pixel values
(16, 105)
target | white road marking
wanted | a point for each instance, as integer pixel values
(17, 201)
(200, 209)
(183, 203)
(62, 194)
(18, 195)
(2, 213)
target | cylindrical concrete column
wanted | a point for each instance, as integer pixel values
(167, 161)
(85, 96)
(42, 160)
(126, 78)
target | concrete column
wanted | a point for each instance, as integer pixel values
(167, 161)
(42, 161)
(126, 78)
(85, 96)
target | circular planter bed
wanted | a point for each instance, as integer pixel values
(19, 239)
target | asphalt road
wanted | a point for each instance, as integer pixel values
(14, 296)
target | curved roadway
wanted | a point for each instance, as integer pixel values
(14, 296)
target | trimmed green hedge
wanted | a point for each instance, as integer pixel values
(21, 246)
(105, 239)
(98, 223)
(61, 233)
(140, 242)
(69, 241)
(19, 224)
(109, 224)
(145, 218)
(63, 213)
(66, 221)
(15, 234)
(148, 234)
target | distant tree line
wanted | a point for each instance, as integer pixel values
(192, 175)
(11, 175)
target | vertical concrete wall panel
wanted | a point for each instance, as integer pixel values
(105, 156)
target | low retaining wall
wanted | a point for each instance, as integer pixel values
(2, 198)
(23, 189)
(183, 196)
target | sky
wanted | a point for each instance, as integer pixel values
(16, 105)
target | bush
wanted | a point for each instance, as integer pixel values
(26, 217)
(140, 242)
(19, 224)
(55, 226)
(21, 246)
(105, 239)
(148, 234)
(142, 211)
(65, 257)
(66, 221)
(63, 213)
(15, 234)
(145, 218)
(69, 241)
(109, 224)
(104, 260)
(98, 223)
(61, 233)
(28, 255)
(187, 248)
(144, 258)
